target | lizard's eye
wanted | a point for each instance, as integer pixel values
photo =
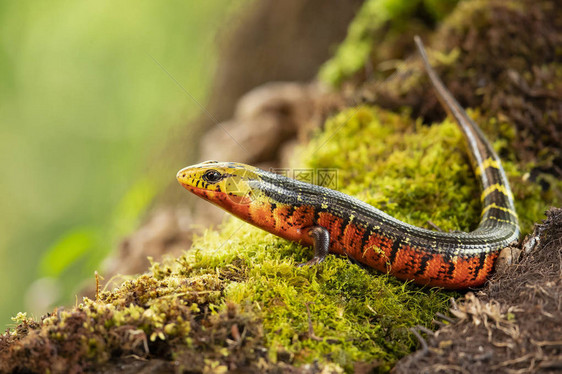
(212, 176)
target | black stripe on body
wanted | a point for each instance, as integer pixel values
(396, 245)
(345, 222)
(478, 269)
(423, 264)
(316, 215)
(367, 232)
(451, 270)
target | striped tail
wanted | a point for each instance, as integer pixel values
(498, 208)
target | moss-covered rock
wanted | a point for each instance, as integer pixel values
(237, 298)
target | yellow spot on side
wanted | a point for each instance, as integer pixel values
(493, 205)
(487, 163)
(377, 250)
(496, 187)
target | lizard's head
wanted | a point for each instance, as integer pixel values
(226, 184)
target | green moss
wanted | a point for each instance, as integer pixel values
(378, 20)
(358, 316)
(240, 279)
(178, 315)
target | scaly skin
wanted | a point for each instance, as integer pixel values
(332, 221)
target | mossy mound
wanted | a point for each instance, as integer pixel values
(236, 300)
(153, 316)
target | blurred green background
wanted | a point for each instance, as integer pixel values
(84, 111)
